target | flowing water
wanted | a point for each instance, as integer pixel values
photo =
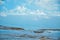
(28, 35)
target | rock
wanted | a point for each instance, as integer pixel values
(39, 31)
(10, 28)
(45, 38)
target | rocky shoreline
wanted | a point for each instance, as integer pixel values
(11, 33)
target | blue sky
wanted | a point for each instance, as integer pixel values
(30, 14)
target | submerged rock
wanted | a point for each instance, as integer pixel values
(39, 31)
(45, 38)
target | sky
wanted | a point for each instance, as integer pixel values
(30, 14)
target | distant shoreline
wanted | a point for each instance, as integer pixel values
(15, 28)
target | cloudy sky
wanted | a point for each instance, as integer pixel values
(30, 14)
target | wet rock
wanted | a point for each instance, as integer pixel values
(45, 38)
(29, 36)
(58, 38)
(10, 28)
(40, 31)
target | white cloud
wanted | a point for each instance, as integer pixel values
(46, 5)
(50, 5)
(20, 8)
(22, 11)
(3, 14)
(57, 14)
(29, 1)
(38, 12)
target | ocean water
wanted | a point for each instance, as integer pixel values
(28, 35)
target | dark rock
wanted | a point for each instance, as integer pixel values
(10, 28)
